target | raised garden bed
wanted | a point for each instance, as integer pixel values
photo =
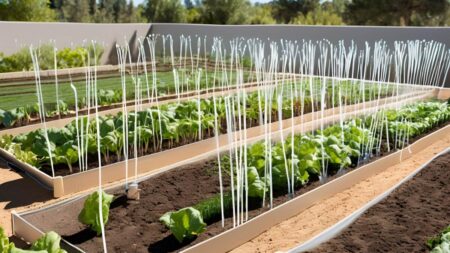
(110, 97)
(115, 172)
(405, 220)
(115, 108)
(133, 221)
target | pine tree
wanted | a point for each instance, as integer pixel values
(225, 11)
(120, 11)
(170, 11)
(92, 7)
(26, 10)
(398, 12)
(76, 11)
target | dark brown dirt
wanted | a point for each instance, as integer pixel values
(135, 226)
(402, 222)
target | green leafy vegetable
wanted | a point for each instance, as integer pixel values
(185, 223)
(211, 209)
(5, 141)
(66, 154)
(436, 241)
(10, 117)
(49, 243)
(256, 186)
(90, 214)
(5, 245)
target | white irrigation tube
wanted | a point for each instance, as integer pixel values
(245, 154)
(236, 103)
(100, 191)
(55, 50)
(347, 221)
(135, 80)
(76, 123)
(121, 53)
(151, 46)
(216, 136)
(280, 125)
(230, 152)
(42, 115)
(197, 82)
(89, 103)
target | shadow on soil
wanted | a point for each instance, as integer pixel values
(18, 242)
(22, 192)
(168, 244)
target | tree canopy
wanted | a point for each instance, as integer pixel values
(26, 10)
(225, 11)
(398, 12)
(170, 11)
(309, 12)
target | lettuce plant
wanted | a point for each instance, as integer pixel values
(10, 117)
(5, 245)
(444, 244)
(441, 242)
(67, 153)
(185, 223)
(5, 141)
(49, 243)
(256, 185)
(90, 215)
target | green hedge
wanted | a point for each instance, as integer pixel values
(66, 58)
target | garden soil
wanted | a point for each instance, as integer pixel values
(405, 220)
(135, 227)
(323, 215)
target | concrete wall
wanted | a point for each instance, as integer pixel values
(360, 34)
(15, 35)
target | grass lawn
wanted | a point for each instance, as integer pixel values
(22, 95)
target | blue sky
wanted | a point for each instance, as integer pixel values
(253, 1)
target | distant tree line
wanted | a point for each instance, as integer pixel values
(308, 12)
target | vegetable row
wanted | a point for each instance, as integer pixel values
(335, 148)
(22, 115)
(340, 146)
(153, 129)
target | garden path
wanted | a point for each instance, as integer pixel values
(300, 228)
(18, 192)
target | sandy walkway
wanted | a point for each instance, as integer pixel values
(18, 192)
(319, 217)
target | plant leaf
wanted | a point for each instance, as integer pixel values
(90, 214)
(49, 242)
(184, 223)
